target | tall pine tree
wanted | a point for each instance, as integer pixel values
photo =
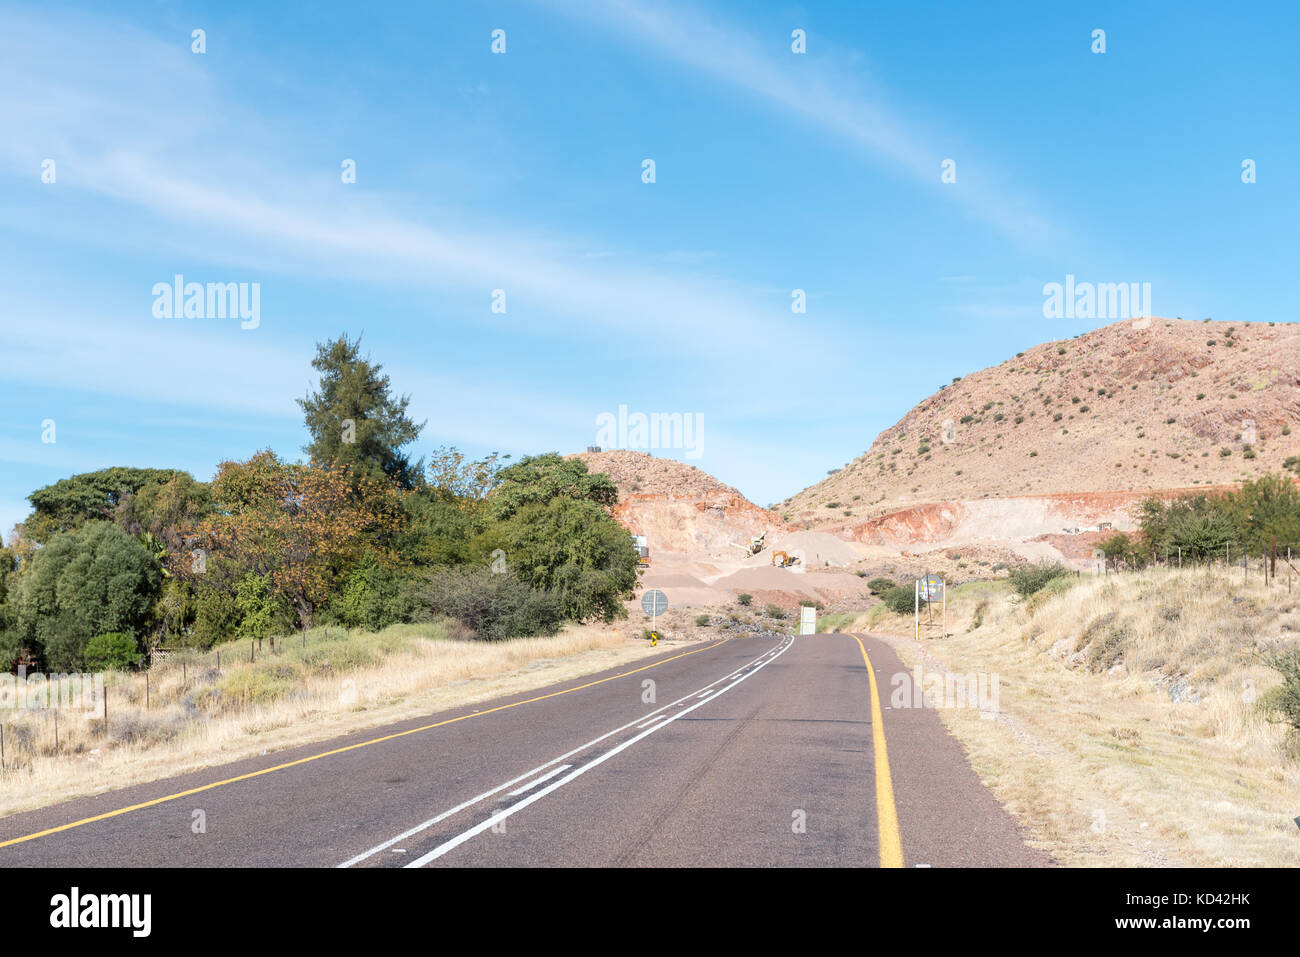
(355, 421)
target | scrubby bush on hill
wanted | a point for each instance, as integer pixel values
(1284, 700)
(901, 599)
(1031, 578)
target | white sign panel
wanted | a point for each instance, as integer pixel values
(807, 620)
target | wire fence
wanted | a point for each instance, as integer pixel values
(1276, 564)
(47, 715)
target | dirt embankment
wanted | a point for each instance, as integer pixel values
(699, 529)
(1056, 519)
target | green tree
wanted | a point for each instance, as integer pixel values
(115, 650)
(374, 596)
(1266, 512)
(355, 421)
(302, 527)
(456, 478)
(539, 479)
(574, 548)
(91, 581)
(1122, 548)
(1200, 525)
(435, 531)
(165, 510)
(10, 643)
(263, 613)
(90, 496)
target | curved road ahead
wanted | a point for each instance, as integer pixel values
(744, 752)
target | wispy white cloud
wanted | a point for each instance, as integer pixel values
(205, 179)
(816, 92)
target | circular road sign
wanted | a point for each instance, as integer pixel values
(654, 602)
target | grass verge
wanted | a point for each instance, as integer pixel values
(327, 683)
(1136, 724)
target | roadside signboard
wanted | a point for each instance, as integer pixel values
(807, 620)
(930, 590)
(654, 602)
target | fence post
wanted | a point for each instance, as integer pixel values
(251, 646)
(146, 689)
(2, 747)
(56, 726)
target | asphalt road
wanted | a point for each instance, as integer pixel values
(747, 752)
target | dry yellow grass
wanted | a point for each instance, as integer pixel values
(1131, 730)
(336, 684)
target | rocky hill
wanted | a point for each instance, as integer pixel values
(680, 508)
(1135, 406)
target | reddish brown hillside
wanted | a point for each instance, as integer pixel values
(1126, 408)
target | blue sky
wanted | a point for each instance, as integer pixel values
(522, 172)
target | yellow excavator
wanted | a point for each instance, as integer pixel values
(755, 545)
(784, 559)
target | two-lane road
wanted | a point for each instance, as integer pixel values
(744, 752)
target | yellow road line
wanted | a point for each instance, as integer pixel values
(350, 747)
(891, 839)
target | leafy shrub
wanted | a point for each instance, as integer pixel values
(263, 612)
(1030, 578)
(493, 606)
(879, 586)
(703, 620)
(91, 581)
(901, 599)
(776, 611)
(374, 597)
(1284, 701)
(575, 550)
(745, 599)
(115, 650)
(215, 616)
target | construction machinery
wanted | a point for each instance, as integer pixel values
(784, 559)
(642, 552)
(755, 545)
